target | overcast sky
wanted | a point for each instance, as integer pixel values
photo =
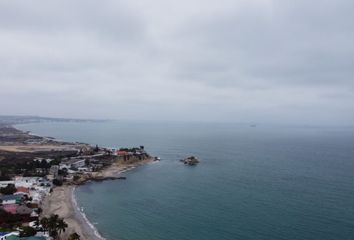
(282, 61)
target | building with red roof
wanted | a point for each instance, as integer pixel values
(23, 190)
(11, 208)
(122, 153)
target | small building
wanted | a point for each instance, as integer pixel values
(36, 196)
(27, 181)
(8, 235)
(121, 153)
(22, 190)
(11, 199)
(54, 169)
(84, 169)
(64, 165)
(78, 164)
(48, 160)
(10, 208)
(41, 170)
(34, 215)
(13, 237)
(112, 151)
(24, 210)
(96, 166)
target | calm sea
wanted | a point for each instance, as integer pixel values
(253, 182)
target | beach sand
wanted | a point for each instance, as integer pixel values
(60, 202)
(118, 168)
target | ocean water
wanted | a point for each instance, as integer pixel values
(252, 183)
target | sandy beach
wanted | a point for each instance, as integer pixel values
(119, 167)
(61, 202)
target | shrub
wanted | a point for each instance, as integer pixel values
(27, 232)
(57, 182)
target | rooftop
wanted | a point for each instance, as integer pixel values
(13, 237)
(17, 197)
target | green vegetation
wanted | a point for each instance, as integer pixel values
(8, 190)
(27, 231)
(76, 178)
(74, 236)
(54, 225)
(134, 149)
(57, 182)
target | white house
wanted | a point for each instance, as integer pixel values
(84, 169)
(27, 181)
(10, 199)
(63, 165)
(78, 164)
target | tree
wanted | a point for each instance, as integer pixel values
(54, 225)
(96, 149)
(61, 225)
(87, 162)
(57, 182)
(74, 236)
(27, 232)
(63, 172)
(76, 178)
(8, 190)
(4, 177)
(39, 211)
(55, 162)
(43, 164)
(44, 222)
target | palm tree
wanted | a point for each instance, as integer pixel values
(44, 222)
(52, 225)
(61, 225)
(74, 236)
(36, 224)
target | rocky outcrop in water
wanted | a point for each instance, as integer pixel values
(190, 161)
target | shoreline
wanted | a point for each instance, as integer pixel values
(85, 223)
(62, 201)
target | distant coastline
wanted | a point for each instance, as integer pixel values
(13, 119)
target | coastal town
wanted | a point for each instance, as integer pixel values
(37, 178)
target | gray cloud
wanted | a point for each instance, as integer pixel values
(300, 43)
(274, 61)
